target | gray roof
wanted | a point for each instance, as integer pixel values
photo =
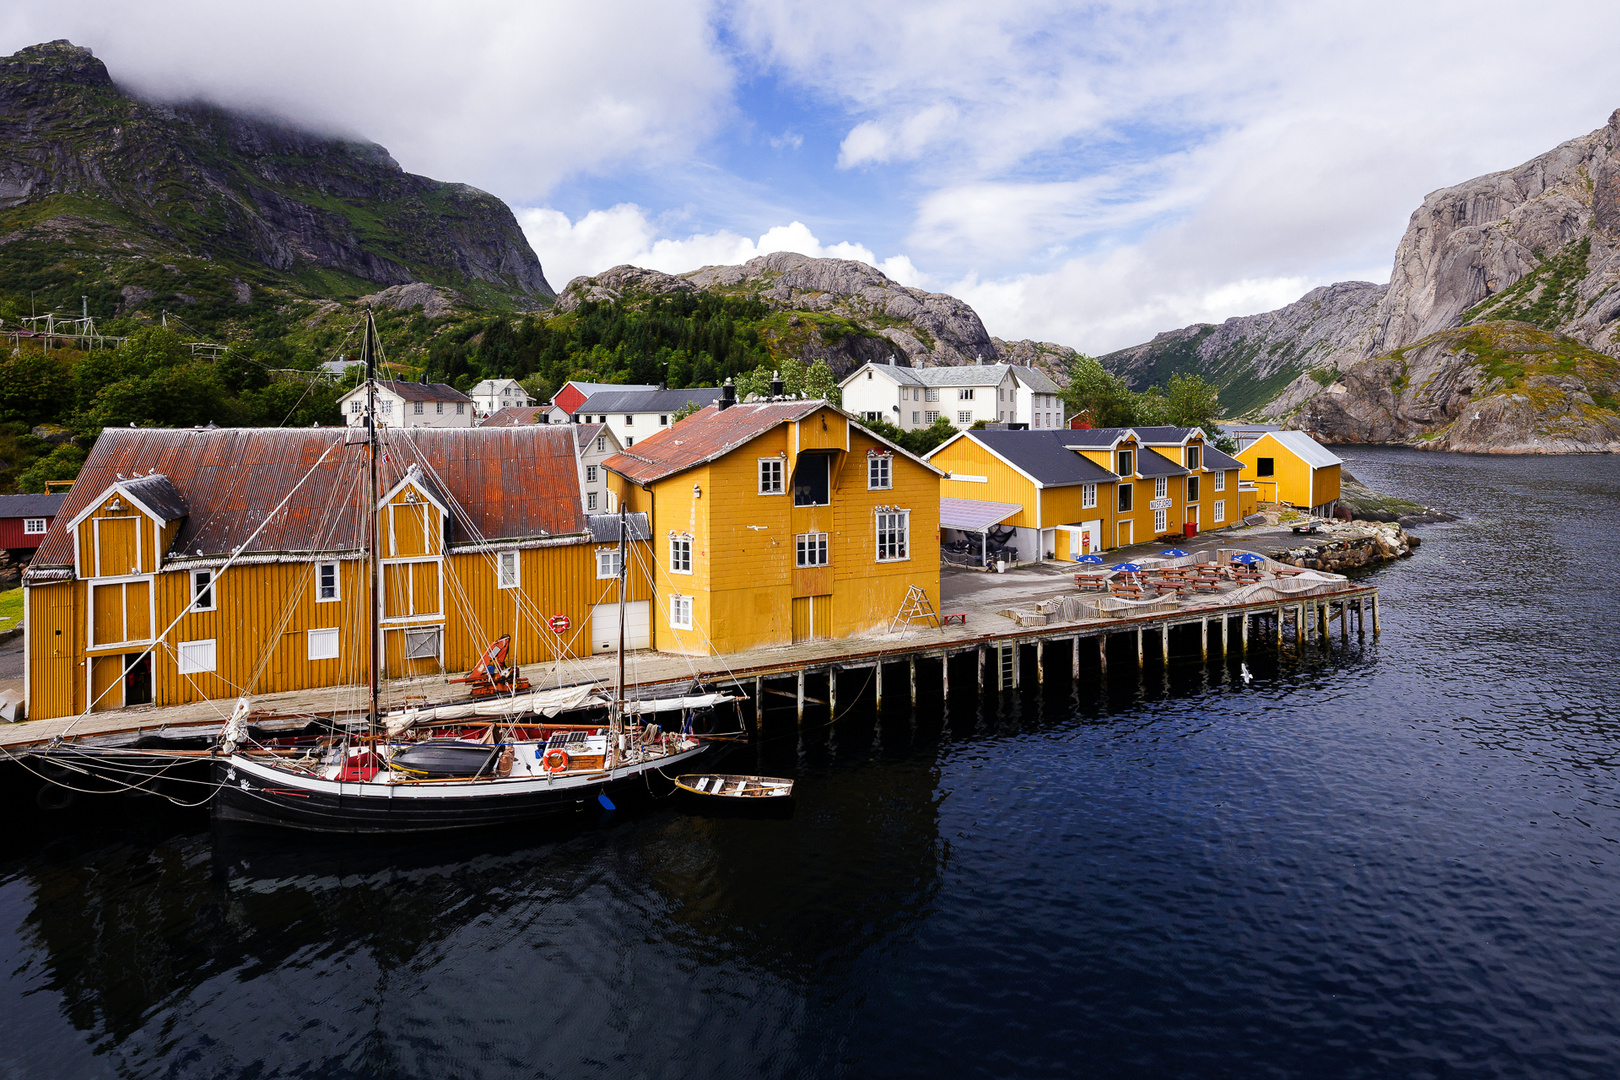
(1163, 435)
(1043, 456)
(605, 527)
(946, 375)
(974, 515)
(19, 506)
(1215, 459)
(1035, 379)
(589, 388)
(1093, 437)
(415, 391)
(1153, 463)
(619, 400)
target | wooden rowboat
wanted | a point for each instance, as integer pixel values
(728, 786)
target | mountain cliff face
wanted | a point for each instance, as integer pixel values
(1535, 248)
(130, 201)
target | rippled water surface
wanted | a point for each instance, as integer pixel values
(1391, 859)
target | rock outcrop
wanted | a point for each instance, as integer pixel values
(434, 300)
(1353, 545)
(144, 201)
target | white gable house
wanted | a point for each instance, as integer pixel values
(912, 398)
(493, 395)
(409, 404)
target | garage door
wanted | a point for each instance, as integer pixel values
(637, 626)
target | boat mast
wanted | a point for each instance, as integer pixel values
(618, 706)
(373, 571)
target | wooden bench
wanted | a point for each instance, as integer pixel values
(957, 617)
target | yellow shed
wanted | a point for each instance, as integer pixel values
(1291, 467)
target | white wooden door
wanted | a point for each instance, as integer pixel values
(637, 626)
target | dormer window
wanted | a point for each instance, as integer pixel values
(1192, 457)
(1127, 463)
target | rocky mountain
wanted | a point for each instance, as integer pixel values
(846, 312)
(1535, 249)
(136, 203)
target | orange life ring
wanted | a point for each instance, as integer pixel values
(555, 760)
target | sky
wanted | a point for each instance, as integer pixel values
(1089, 174)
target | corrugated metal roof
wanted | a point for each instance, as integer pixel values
(1215, 459)
(584, 433)
(617, 399)
(705, 435)
(974, 515)
(1153, 463)
(1163, 435)
(157, 493)
(510, 483)
(513, 416)
(415, 391)
(1043, 456)
(605, 527)
(19, 506)
(1306, 448)
(1094, 438)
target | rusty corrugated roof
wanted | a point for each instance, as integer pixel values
(510, 483)
(705, 435)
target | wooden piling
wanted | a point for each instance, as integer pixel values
(1375, 614)
(913, 682)
(1074, 673)
(945, 675)
(1164, 644)
(1102, 652)
(1323, 617)
(877, 680)
(1205, 626)
(980, 652)
(799, 702)
(1040, 662)
(832, 693)
(759, 699)
(1141, 656)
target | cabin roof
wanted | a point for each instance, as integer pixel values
(707, 434)
(414, 391)
(618, 399)
(21, 506)
(1303, 447)
(1218, 459)
(1150, 462)
(508, 483)
(1043, 456)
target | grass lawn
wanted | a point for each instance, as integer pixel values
(10, 608)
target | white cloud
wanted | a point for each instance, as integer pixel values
(625, 234)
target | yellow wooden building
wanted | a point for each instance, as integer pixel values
(779, 522)
(1291, 467)
(1211, 496)
(211, 563)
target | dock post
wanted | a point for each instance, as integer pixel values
(1164, 644)
(980, 654)
(759, 699)
(800, 696)
(1279, 626)
(1226, 629)
(877, 668)
(1074, 673)
(1324, 616)
(1040, 662)
(1375, 614)
(1244, 634)
(1361, 617)
(1001, 667)
(832, 694)
(1102, 652)
(1140, 655)
(945, 675)
(913, 682)
(1206, 638)
(1300, 626)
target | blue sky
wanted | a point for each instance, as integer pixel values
(1083, 173)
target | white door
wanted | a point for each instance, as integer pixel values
(637, 626)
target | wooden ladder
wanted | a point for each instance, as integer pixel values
(914, 608)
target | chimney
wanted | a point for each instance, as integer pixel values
(728, 397)
(776, 384)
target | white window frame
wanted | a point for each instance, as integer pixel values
(34, 526)
(461, 408)
(590, 474)
(1193, 490)
(197, 657)
(508, 570)
(808, 548)
(357, 407)
(1161, 521)
(1220, 511)
(202, 586)
(1088, 496)
(680, 554)
(964, 416)
(322, 643)
(1126, 462)
(894, 524)
(771, 471)
(629, 419)
(1220, 479)
(607, 559)
(880, 472)
(931, 393)
(680, 612)
(930, 417)
(1161, 487)
(965, 394)
(1193, 456)
(421, 407)
(914, 415)
(387, 406)
(337, 583)
(601, 444)
(590, 500)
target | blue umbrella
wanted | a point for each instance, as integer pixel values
(1095, 559)
(1128, 567)
(1173, 553)
(1248, 557)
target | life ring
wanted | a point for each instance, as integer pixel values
(555, 760)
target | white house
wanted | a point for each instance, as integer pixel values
(636, 414)
(572, 394)
(409, 404)
(492, 395)
(594, 444)
(913, 398)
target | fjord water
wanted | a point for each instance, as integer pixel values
(1390, 858)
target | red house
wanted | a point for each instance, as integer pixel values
(571, 395)
(24, 521)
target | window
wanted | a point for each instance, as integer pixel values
(506, 576)
(629, 420)
(663, 420)
(931, 394)
(590, 500)
(1265, 466)
(422, 644)
(1088, 496)
(323, 644)
(811, 549)
(357, 407)
(930, 416)
(607, 563)
(812, 481)
(1159, 524)
(387, 407)
(913, 416)
(893, 536)
(770, 476)
(965, 394)
(326, 581)
(1161, 487)
(880, 472)
(33, 526)
(1125, 498)
(680, 554)
(1220, 511)
(202, 590)
(1192, 457)
(1192, 489)
(438, 407)
(1220, 480)
(870, 416)
(629, 441)
(964, 417)
(461, 408)
(197, 656)
(1127, 463)
(1001, 395)
(601, 444)
(590, 474)
(680, 611)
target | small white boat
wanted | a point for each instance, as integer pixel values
(729, 786)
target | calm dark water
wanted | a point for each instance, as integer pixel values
(1398, 858)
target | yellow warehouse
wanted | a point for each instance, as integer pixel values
(1291, 467)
